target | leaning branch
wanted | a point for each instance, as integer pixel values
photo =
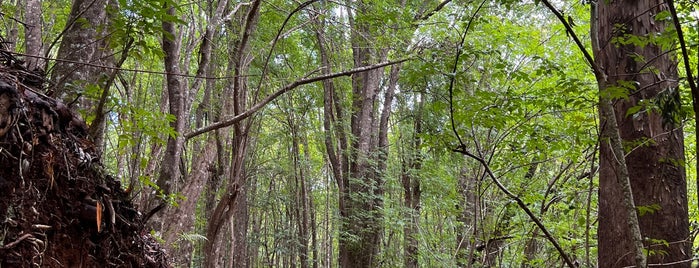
(572, 34)
(237, 118)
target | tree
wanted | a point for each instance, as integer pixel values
(480, 149)
(33, 45)
(411, 164)
(641, 77)
(83, 42)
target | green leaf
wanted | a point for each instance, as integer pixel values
(633, 110)
(664, 15)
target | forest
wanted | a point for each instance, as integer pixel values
(349, 133)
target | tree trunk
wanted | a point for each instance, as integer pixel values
(81, 43)
(301, 199)
(85, 45)
(239, 228)
(469, 216)
(361, 227)
(170, 167)
(180, 219)
(229, 205)
(411, 187)
(33, 33)
(654, 152)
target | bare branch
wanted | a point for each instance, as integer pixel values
(232, 120)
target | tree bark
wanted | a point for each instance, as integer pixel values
(180, 219)
(81, 43)
(33, 45)
(239, 228)
(654, 152)
(170, 166)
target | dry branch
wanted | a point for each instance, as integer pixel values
(237, 118)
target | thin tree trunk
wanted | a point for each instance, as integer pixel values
(335, 141)
(170, 166)
(411, 184)
(12, 35)
(239, 245)
(300, 195)
(468, 217)
(229, 205)
(33, 44)
(180, 219)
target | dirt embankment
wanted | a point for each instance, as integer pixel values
(58, 208)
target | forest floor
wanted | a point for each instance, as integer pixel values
(58, 208)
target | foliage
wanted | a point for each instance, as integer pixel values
(524, 100)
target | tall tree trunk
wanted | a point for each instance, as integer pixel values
(335, 136)
(180, 219)
(301, 198)
(655, 152)
(229, 205)
(361, 228)
(170, 166)
(358, 157)
(411, 185)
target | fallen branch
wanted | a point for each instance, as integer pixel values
(237, 118)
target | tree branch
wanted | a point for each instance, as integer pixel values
(462, 149)
(572, 34)
(433, 11)
(452, 76)
(232, 120)
(520, 203)
(683, 46)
